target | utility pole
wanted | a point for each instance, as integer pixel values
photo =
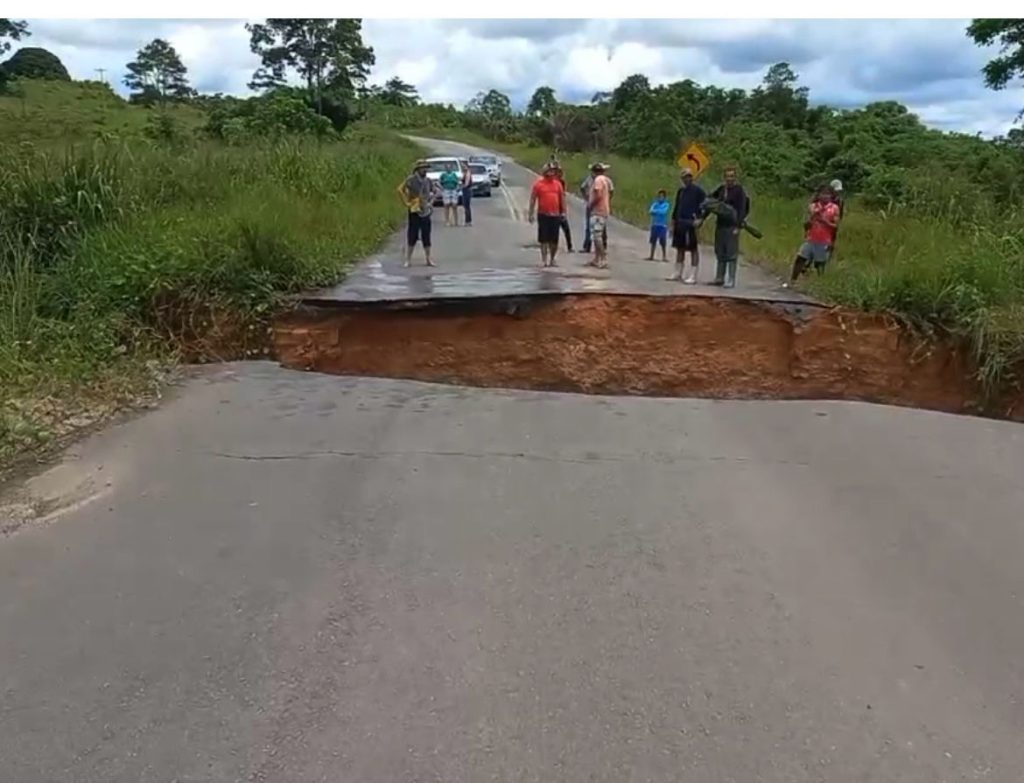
(101, 71)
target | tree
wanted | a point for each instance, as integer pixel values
(543, 103)
(778, 99)
(493, 105)
(328, 54)
(633, 90)
(13, 29)
(31, 62)
(157, 74)
(398, 93)
(1010, 62)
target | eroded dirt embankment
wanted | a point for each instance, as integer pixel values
(614, 344)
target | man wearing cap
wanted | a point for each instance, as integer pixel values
(600, 202)
(547, 206)
(685, 215)
(418, 193)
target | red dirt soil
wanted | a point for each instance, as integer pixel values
(657, 346)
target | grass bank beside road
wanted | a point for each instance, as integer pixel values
(116, 258)
(961, 277)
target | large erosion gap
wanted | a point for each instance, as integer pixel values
(687, 346)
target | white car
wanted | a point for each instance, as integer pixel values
(492, 164)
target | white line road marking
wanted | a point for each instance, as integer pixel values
(510, 200)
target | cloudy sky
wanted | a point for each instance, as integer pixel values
(930, 65)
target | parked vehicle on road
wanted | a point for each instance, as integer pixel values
(492, 164)
(481, 180)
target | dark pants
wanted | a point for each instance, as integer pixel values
(727, 253)
(419, 230)
(467, 204)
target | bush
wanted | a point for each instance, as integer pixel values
(272, 116)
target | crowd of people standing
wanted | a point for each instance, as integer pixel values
(680, 219)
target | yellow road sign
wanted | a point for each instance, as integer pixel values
(695, 159)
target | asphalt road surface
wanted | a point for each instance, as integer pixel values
(290, 577)
(499, 254)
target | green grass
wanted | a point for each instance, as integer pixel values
(965, 279)
(118, 257)
(54, 114)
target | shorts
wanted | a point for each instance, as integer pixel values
(685, 235)
(815, 252)
(419, 229)
(548, 229)
(659, 235)
(450, 198)
(598, 226)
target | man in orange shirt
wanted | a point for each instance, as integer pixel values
(600, 203)
(547, 204)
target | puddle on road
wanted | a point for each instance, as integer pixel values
(686, 346)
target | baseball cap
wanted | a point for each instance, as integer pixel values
(836, 185)
(686, 173)
(420, 164)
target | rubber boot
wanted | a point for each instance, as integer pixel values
(719, 273)
(730, 274)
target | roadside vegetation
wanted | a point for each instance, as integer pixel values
(137, 232)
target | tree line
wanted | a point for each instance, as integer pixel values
(785, 144)
(882, 150)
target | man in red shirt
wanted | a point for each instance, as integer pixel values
(819, 234)
(547, 204)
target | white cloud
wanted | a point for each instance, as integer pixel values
(594, 68)
(928, 64)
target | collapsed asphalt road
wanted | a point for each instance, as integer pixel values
(292, 577)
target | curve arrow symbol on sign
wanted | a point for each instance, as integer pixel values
(695, 160)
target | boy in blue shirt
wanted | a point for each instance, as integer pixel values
(659, 224)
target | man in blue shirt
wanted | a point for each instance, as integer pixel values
(659, 224)
(685, 217)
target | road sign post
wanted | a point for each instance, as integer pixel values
(694, 158)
